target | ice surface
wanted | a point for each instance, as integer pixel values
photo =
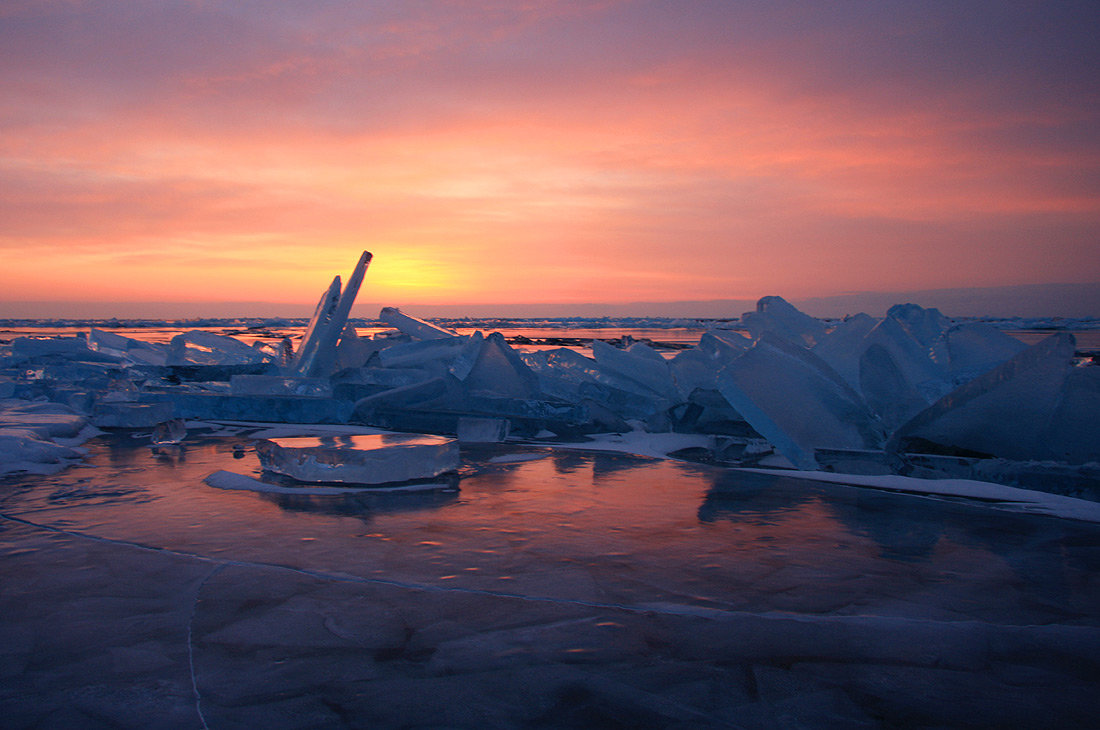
(206, 348)
(581, 589)
(413, 326)
(774, 314)
(1008, 412)
(796, 401)
(360, 459)
(999, 495)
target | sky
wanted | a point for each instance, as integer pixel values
(514, 152)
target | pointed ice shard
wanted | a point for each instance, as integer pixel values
(499, 371)
(324, 358)
(414, 326)
(326, 308)
(1004, 412)
(316, 356)
(796, 401)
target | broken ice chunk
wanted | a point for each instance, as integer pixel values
(842, 347)
(418, 328)
(205, 348)
(776, 315)
(25, 450)
(1005, 412)
(926, 326)
(885, 389)
(796, 401)
(482, 430)
(359, 459)
(317, 354)
(137, 351)
(47, 420)
(131, 414)
(172, 431)
(975, 347)
(1073, 435)
(643, 367)
(498, 370)
(278, 385)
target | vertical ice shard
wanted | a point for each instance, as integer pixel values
(1004, 412)
(413, 326)
(317, 355)
(303, 359)
(796, 401)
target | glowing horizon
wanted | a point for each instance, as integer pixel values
(554, 152)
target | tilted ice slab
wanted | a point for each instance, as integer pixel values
(414, 326)
(127, 348)
(374, 459)
(797, 402)
(1012, 411)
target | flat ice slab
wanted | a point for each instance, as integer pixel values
(371, 459)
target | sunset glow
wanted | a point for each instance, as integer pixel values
(484, 151)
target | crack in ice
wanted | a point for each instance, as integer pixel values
(191, 644)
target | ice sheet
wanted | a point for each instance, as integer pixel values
(577, 589)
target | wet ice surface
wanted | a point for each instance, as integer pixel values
(542, 589)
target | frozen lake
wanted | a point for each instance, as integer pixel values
(538, 588)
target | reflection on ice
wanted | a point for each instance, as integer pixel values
(591, 586)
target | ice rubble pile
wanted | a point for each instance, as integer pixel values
(864, 394)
